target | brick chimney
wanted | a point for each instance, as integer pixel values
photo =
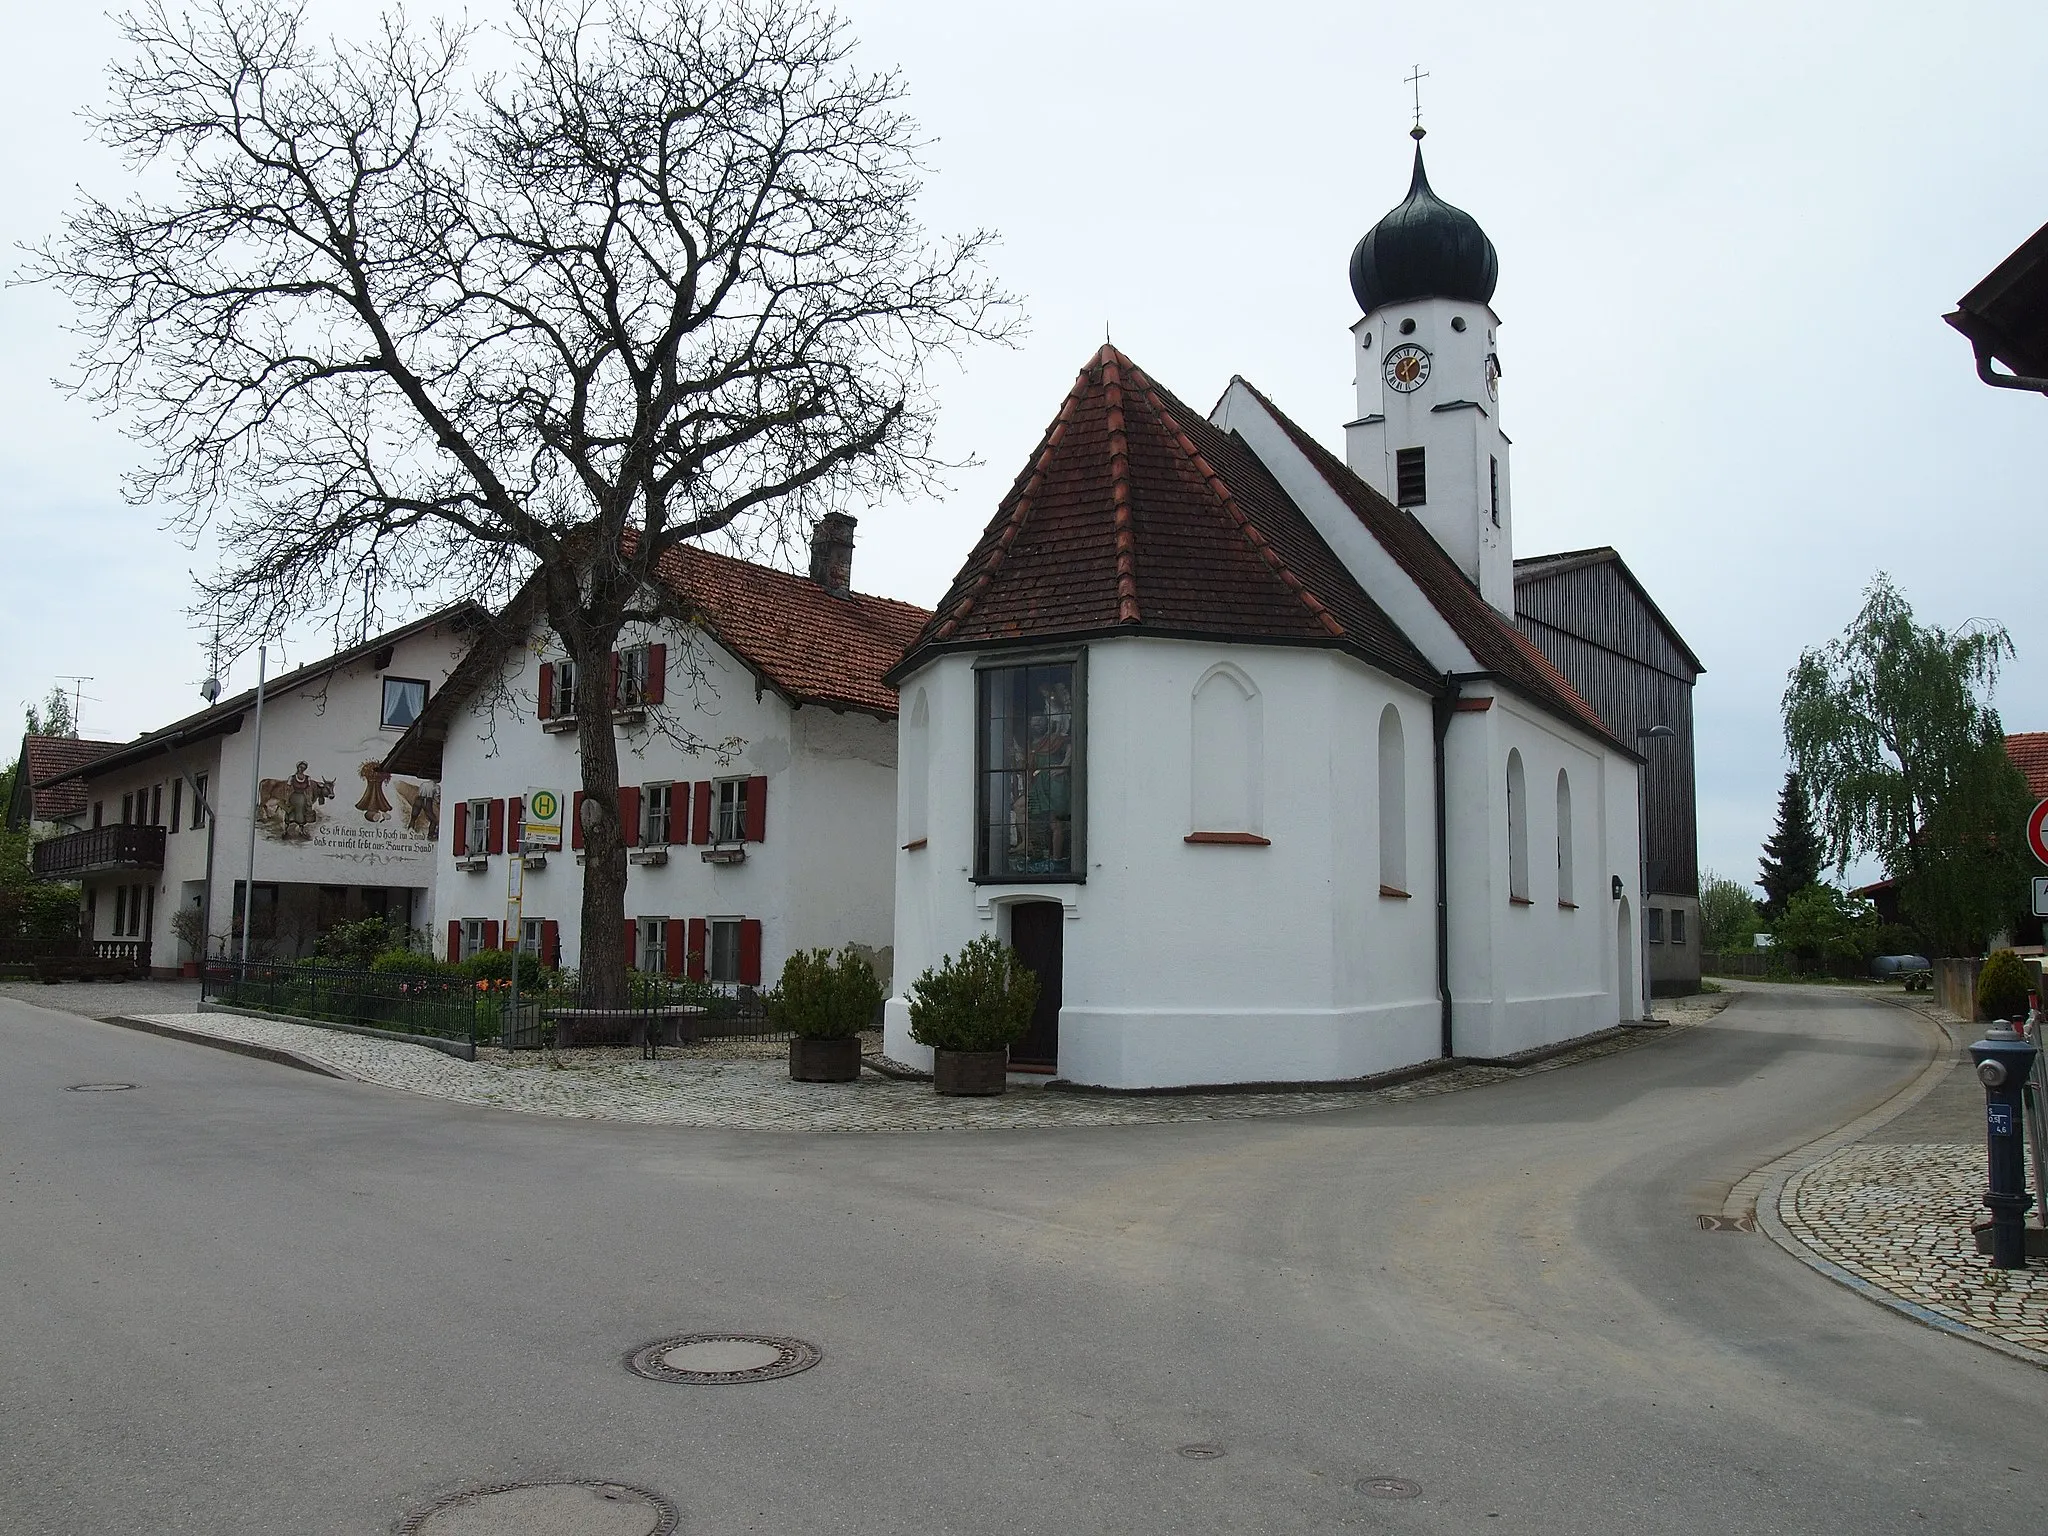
(832, 553)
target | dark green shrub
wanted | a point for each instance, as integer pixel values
(823, 998)
(410, 962)
(354, 945)
(2002, 986)
(981, 1001)
(496, 965)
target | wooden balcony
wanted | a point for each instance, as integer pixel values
(98, 849)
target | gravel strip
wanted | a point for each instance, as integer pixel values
(744, 1085)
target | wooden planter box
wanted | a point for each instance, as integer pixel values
(970, 1074)
(824, 1061)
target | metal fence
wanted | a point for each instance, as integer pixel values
(445, 1007)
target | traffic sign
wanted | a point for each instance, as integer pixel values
(2041, 895)
(543, 827)
(2037, 831)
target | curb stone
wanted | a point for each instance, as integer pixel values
(271, 1053)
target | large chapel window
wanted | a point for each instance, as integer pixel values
(1028, 809)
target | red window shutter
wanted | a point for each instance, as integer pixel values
(672, 962)
(496, 829)
(551, 943)
(547, 690)
(454, 939)
(697, 938)
(629, 814)
(700, 813)
(757, 809)
(612, 699)
(657, 673)
(750, 952)
(515, 821)
(632, 941)
(576, 819)
(461, 829)
(490, 933)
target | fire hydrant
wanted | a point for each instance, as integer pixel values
(2003, 1061)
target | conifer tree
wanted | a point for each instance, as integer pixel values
(1792, 857)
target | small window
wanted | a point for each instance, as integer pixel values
(1678, 925)
(730, 812)
(472, 937)
(725, 949)
(1653, 924)
(1518, 830)
(477, 836)
(1411, 478)
(565, 689)
(127, 810)
(404, 698)
(99, 811)
(653, 955)
(156, 805)
(1393, 789)
(120, 910)
(1564, 839)
(198, 803)
(632, 677)
(529, 935)
(1493, 478)
(177, 803)
(917, 769)
(656, 801)
(1029, 798)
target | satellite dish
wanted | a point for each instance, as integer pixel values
(210, 689)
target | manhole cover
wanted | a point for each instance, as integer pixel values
(712, 1359)
(547, 1509)
(1389, 1487)
(99, 1087)
(1201, 1451)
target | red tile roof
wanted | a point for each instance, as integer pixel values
(1136, 515)
(44, 758)
(2029, 753)
(813, 647)
(1500, 648)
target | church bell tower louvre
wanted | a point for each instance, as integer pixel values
(1428, 433)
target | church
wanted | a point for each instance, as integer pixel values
(1238, 743)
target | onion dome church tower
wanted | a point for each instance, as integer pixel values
(1428, 431)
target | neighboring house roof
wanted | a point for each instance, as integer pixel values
(1137, 516)
(807, 644)
(44, 759)
(1537, 568)
(1501, 650)
(2029, 753)
(225, 716)
(2006, 315)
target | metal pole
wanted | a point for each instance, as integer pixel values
(255, 809)
(515, 893)
(1643, 891)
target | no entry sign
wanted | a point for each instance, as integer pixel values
(2037, 831)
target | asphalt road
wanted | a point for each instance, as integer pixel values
(243, 1299)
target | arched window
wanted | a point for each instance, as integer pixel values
(1565, 897)
(1393, 803)
(1227, 752)
(916, 769)
(1518, 830)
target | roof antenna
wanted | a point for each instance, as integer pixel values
(210, 689)
(1415, 79)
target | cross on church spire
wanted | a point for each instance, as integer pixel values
(1415, 80)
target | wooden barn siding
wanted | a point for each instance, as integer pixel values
(1628, 695)
(1594, 603)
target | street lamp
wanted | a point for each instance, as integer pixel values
(1645, 733)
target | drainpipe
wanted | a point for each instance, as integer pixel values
(255, 812)
(1441, 710)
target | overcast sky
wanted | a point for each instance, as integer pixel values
(1727, 236)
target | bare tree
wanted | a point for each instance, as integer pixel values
(402, 328)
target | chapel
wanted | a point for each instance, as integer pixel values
(1238, 742)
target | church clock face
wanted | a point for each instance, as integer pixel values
(1492, 377)
(1406, 368)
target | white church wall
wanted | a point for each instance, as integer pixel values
(1206, 961)
(1541, 969)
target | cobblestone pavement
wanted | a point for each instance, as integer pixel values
(1898, 1214)
(746, 1086)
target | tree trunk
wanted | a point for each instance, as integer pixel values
(601, 959)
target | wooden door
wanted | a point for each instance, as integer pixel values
(1037, 933)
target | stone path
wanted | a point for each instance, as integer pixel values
(742, 1086)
